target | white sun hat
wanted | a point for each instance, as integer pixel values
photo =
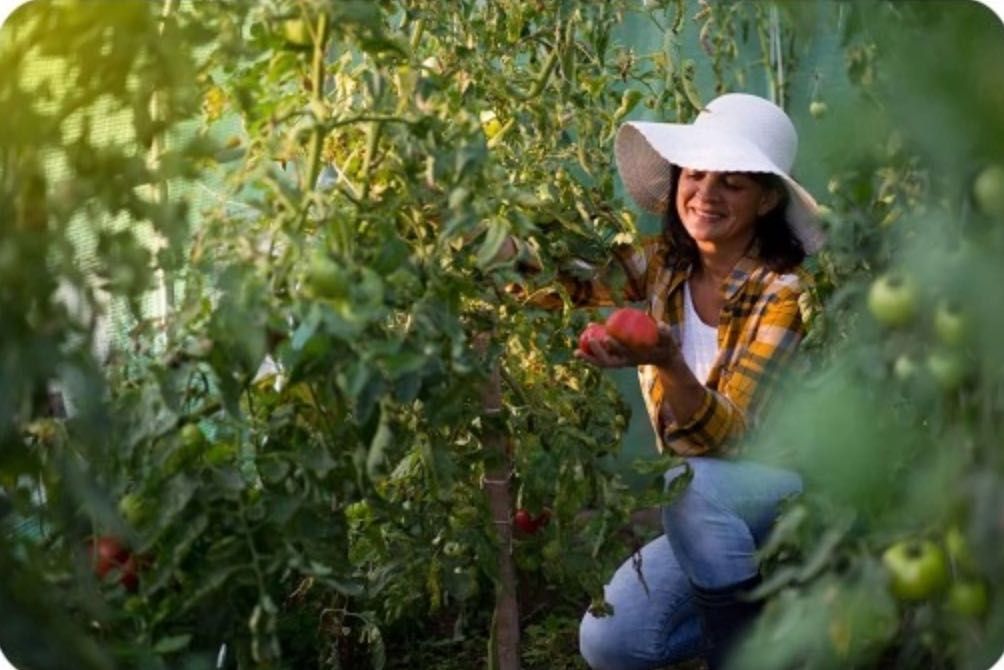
(735, 132)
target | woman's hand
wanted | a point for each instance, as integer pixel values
(606, 352)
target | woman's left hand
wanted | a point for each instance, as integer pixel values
(606, 352)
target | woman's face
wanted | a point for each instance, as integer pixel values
(719, 209)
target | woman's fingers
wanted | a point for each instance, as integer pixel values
(603, 356)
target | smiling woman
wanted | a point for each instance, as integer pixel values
(724, 283)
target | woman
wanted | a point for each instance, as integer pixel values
(724, 283)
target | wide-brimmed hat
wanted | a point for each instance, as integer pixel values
(736, 132)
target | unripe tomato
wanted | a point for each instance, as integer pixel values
(950, 323)
(818, 109)
(296, 32)
(892, 299)
(191, 435)
(633, 328)
(133, 509)
(523, 521)
(552, 551)
(958, 549)
(905, 368)
(988, 190)
(969, 598)
(917, 569)
(594, 331)
(948, 368)
(326, 279)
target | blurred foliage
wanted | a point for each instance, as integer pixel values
(293, 451)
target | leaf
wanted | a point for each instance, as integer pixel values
(170, 645)
(376, 458)
(306, 330)
(496, 236)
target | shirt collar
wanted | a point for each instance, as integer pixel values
(740, 273)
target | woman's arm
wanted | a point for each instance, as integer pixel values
(622, 278)
(695, 419)
(746, 387)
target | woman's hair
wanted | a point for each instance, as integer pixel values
(780, 249)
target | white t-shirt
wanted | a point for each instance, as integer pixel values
(700, 341)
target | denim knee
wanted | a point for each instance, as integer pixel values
(607, 646)
(599, 644)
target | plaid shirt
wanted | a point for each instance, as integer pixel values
(759, 329)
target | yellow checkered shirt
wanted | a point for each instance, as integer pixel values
(759, 330)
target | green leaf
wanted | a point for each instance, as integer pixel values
(376, 459)
(498, 231)
(170, 645)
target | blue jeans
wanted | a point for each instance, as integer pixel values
(713, 528)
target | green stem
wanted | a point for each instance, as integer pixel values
(317, 98)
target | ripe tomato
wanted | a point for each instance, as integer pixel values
(633, 328)
(108, 554)
(523, 521)
(593, 331)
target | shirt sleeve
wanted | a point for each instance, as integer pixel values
(623, 277)
(746, 387)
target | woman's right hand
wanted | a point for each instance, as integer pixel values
(606, 352)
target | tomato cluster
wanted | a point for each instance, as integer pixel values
(108, 554)
(894, 303)
(921, 570)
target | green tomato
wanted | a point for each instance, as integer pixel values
(326, 279)
(948, 368)
(969, 598)
(296, 32)
(818, 109)
(950, 323)
(552, 551)
(191, 436)
(958, 549)
(892, 299)
(988, 190)
(905, 368)
(917, 569)
(133, 509)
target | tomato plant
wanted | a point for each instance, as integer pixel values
(274, 298)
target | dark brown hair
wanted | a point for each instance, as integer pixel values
(780, 249)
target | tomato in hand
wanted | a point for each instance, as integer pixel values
(594, 331)
(633, 328)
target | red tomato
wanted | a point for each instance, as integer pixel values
(130, 577)
(633, 328)
(524, 521)
(593, 331)
(108, 554)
